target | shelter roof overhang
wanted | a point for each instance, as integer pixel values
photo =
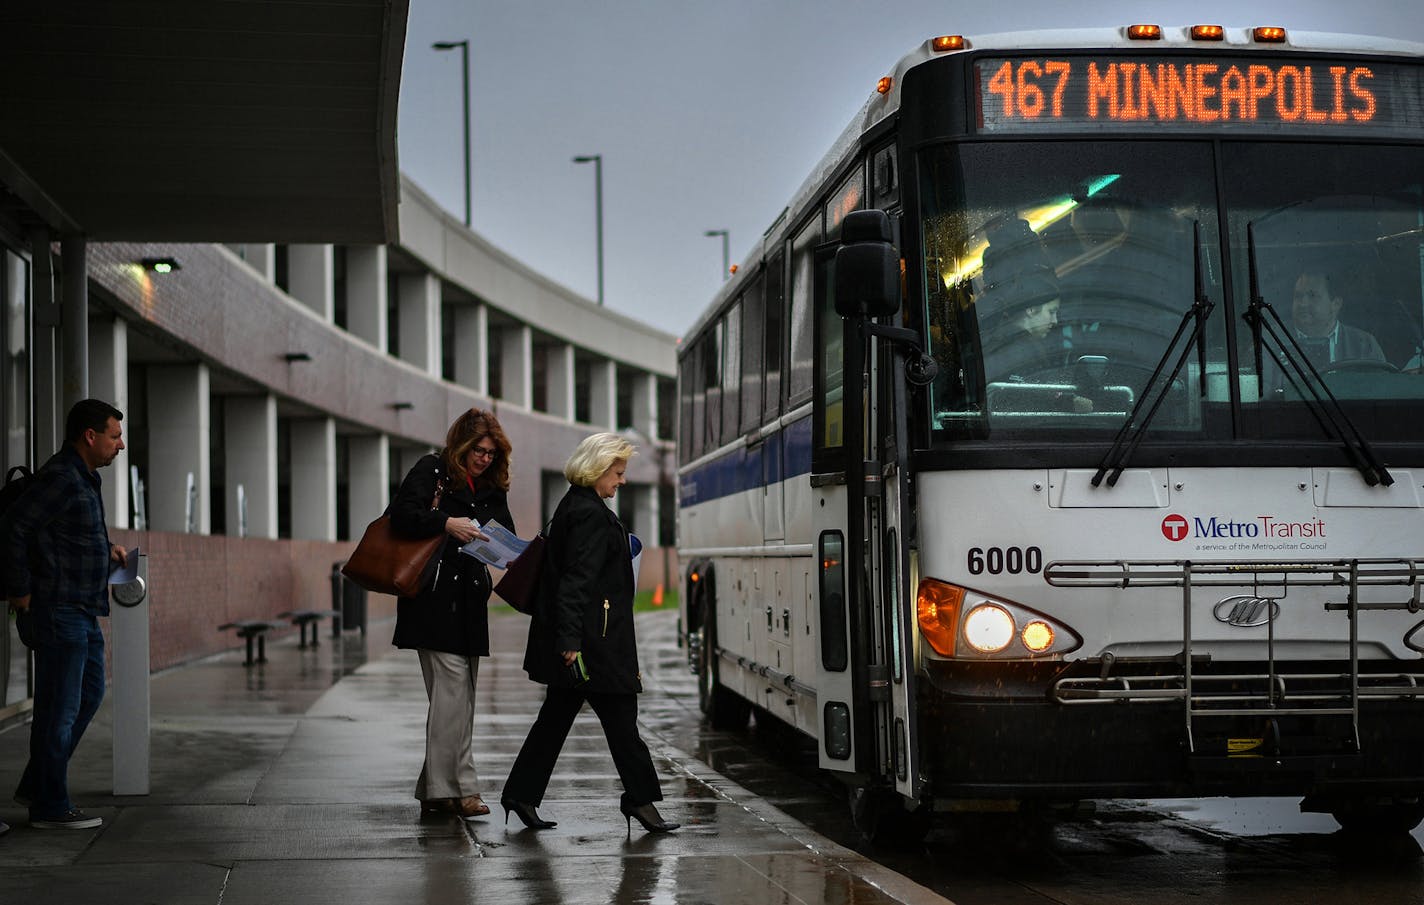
(232, 121)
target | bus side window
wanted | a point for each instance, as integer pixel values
(830, 357)
(849, 197)
(752, 317)
(686, 378)
(775, 339)
(697, 422)
(712, 380)
(885, 178)
(731, 372)
(803, 352)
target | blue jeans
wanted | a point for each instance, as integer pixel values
(69, 685)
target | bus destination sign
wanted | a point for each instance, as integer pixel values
(1273, 95)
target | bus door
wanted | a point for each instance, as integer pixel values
(839, 653)
(869, 398)
(891, 572)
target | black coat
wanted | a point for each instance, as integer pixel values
(585, 599)
(452, 614)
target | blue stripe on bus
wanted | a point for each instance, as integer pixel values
(782, 455)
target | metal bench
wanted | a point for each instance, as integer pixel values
(303, 618)
(248, 629)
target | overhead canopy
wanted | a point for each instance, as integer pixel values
(176, 120)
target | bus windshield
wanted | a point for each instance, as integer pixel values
(1058, 274)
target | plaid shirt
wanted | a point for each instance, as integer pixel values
(54, 543)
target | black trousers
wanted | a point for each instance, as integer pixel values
(529, 777)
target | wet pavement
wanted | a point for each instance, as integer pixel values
(291, 781)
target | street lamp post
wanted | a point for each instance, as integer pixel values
(597, 161)
(465, 92)
(726, 261)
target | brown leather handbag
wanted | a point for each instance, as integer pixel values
(388, 563)
(519, 586)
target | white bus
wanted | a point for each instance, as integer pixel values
(1125, 500)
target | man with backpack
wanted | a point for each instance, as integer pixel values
(56, 557)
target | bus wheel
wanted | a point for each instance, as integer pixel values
(1378, 817)
(724, 710)
(881, 818)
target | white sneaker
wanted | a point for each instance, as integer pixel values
(73, 820)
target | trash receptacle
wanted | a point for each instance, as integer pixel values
(348, 598)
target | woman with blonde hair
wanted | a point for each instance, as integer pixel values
(581, 642)
(448, 622)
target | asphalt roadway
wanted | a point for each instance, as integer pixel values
(291, 781)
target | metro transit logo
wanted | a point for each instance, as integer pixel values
(1175, 527)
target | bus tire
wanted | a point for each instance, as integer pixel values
(723, 709)
(1378, 817)
(882, 820)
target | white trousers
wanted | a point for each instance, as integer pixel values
(449, 768)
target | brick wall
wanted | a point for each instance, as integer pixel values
(198, 582)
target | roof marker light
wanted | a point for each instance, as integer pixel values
(1269, 34)
(883, 86)
(945, 43)
(1145, 32)
(1208, 33)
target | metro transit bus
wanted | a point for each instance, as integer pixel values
(1064, 437)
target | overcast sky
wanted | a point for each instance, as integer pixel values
(708, 114)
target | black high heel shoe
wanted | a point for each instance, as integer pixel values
(527, 814)
(648, 816)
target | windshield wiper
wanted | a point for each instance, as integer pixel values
(1287, 354)
(1130, 435)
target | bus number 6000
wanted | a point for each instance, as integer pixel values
(1013, 560)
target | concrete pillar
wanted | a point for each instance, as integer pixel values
(645, 405)
(44, 351)
(419, 311)
(369, 480)
(178, 435)
(559, 372)
(406, 457)
(260, 256)
(250, 451)
(645, 513)
(74, 375)
(311, 278)
(603, 394)
(313, 479)
(472, 348)
(366, 301)
(109, 381)
(516, 365)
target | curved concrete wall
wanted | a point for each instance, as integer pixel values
(443, 244)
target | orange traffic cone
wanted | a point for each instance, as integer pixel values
(658, 595)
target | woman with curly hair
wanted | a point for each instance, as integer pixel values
(447, 623)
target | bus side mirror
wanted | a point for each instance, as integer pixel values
(867, 267)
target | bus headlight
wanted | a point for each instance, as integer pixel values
(961, 623)
(1037, 636)
(988, 628)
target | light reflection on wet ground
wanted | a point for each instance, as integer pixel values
(1251, 850)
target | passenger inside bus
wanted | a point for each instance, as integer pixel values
(1023, 341)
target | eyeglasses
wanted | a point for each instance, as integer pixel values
(484, 452)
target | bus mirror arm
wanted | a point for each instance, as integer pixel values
(920, 368)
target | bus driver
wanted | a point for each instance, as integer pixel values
(1315, 313)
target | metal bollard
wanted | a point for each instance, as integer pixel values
(129, 620)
